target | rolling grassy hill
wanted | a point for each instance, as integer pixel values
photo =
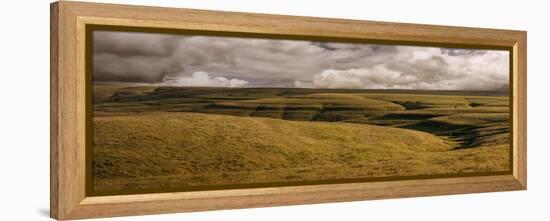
(186, 149)
(147, 137)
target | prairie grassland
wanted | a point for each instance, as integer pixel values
(151, 137)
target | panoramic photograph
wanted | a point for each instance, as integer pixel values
(192, 111)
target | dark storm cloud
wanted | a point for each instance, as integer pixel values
(135, 44)
(134, 57)
(246, 62)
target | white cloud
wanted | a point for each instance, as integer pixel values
(202, 79)
(301, 84)
(427, 70)
(351, 78)
(377, 77)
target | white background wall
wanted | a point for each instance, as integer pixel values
(24, 109)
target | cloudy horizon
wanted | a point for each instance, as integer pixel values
(211, 61)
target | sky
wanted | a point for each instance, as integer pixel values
(216, 61)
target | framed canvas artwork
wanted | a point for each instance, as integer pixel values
(158, 110)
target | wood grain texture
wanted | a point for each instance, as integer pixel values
(54, 95)
(295, 25)
(68, 87)
(521, 131)
(67, 172)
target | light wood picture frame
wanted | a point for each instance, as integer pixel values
(70, 97)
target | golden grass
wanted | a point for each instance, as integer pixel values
(151, 137)
(152, 150)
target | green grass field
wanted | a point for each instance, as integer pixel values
(152, 137)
